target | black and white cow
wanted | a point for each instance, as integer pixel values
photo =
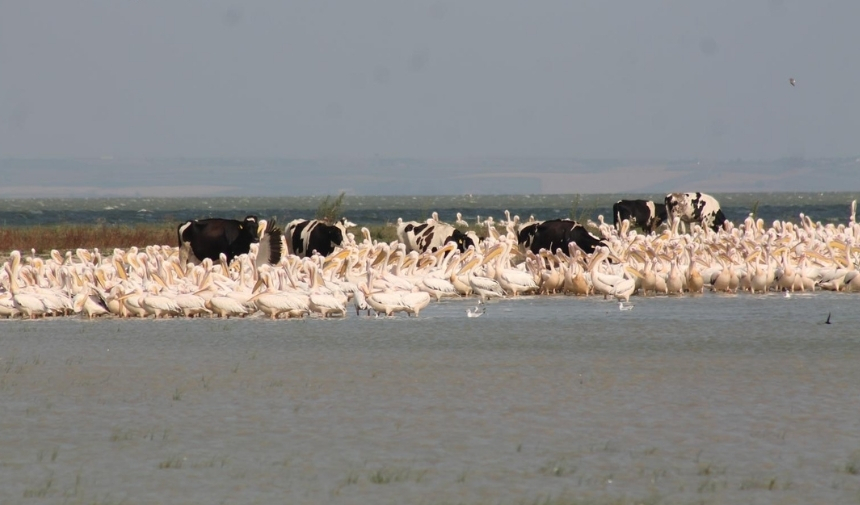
(643, 214)
(432, 236)
(209, 238)
(695, 208)
(556, 233)
(304, 237)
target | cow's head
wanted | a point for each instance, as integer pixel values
(676, 203)
(462, 240)
(526, 234)
(254, 227)
(334, 235)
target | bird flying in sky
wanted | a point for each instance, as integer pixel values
(791, 80)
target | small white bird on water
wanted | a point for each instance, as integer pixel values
(623, 306)
(478, 311)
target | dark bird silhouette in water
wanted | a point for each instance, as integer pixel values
(828, 319)
(791, 80)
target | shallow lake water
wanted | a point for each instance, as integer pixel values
(708, 399)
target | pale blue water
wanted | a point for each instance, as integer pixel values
(710, 399)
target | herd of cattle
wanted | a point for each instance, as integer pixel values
(209, 238)
(313, 266)
(682, 207)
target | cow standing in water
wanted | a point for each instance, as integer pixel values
(694, 208)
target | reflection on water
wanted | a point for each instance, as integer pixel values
(713, 399)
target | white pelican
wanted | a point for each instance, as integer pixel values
(459, 281)
(360, 302)
(158, 305)
(383, 302)
(414, 302)
(299, 300)
(225, 306)
(852, 281)
(438, 282)
(649, 277)
(29, 305)
(131, 301)
(484, 287)
(574, 278)
(269, 301)
(674, 281)
(7, 306)
(191, 304)
(758, 276)
(437, 287)
(721, 279)
(551, 280)
(91, 305)
(627, 286)
(460, 221)
(605, 284)
(625, 306)
(512, 280)
(321, 300)
(785, 276)
(326, 305)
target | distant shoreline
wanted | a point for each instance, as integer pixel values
(233, 177)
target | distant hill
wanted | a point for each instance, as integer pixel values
(201, 177)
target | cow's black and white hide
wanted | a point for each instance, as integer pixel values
(304, 236)
(644, 214)
(209, 238)
(695, 208)
(432, 236)
(556, 233)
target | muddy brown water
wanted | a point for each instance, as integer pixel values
(711, 399)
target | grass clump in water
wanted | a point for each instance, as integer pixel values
(174, 462)
(558, 468)
(387, 475)
(852, 466)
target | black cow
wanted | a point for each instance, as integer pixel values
(304, 237)
(424, 237)
(557, 233)
(209, 238)
(695, 207)
(643, 214)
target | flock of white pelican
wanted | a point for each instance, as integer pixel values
(367, 275)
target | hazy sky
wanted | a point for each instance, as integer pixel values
(565, 78)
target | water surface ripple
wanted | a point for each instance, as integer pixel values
(710, 399)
